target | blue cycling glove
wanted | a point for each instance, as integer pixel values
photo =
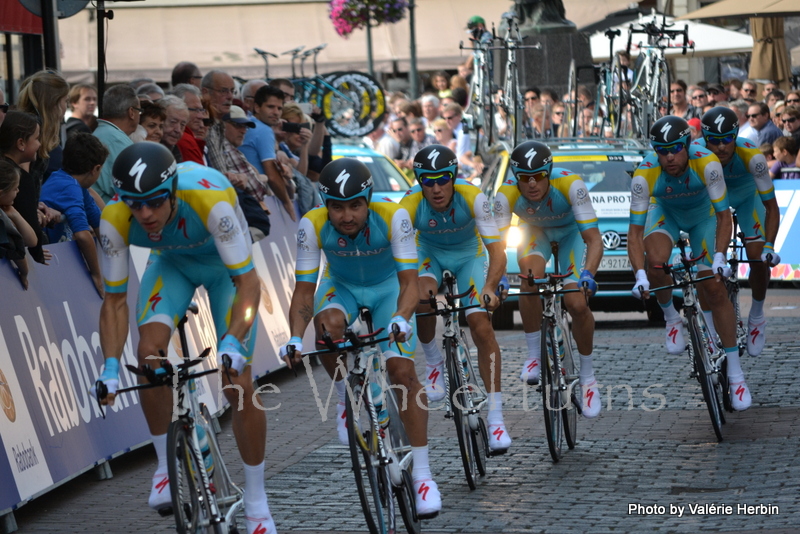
(502, 286)
(586, 276)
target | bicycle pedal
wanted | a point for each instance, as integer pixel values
(496, 452)
(533, 381)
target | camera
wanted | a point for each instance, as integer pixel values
(294, 127)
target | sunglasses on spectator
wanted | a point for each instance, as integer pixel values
(4, 108)
(790, 120)
(720, 139)
(525, 177)
(417, 130)
(439, 130)
(713, 92)
(531, 99)
(753, 116)
(558, 113)
(748, 90)
(450, 117)
(669, 149)
(430, 180)
(207, 122)
(792, 101)
(153, 202)
(700, 96)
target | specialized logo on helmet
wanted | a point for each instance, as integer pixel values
(718, 121)
(432, 156)
(342, 180)
(665, 129)
(530, 154)
(137, 171)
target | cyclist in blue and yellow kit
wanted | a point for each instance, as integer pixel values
(189, 216)
(372, 263)
(688, 194)
(455, 229)
(553, 204)
(752, 196)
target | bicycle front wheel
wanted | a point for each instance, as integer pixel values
(190, 497)
(571, 396)
(460, 404)
(705, 375)
(551, 396)
(362, 434)
(229, 496)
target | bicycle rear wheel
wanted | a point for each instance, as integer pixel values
(551, 397)
(704, 374)
(362, 434)
(568, 397)
(460, 404)
(190, 498)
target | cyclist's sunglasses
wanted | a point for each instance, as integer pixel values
(525, 177)
(669, 149)
(153, 202)
(440, 179)
(720, 139)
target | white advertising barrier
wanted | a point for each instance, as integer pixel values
(51, 429)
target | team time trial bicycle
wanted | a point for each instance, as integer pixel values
(559, 371)
(353, 103)
(379, 448)
(204, 498)
(464, 397)
(738, 255)
(707, 357)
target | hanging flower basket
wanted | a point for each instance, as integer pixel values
(350, 15)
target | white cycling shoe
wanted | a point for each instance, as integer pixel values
(499, 440)
(427, 498)
(160, 496)
(531, 371)
(264, 525)
(740, 395)
(756, 336)
(591, 403)
(675, 342)
(434, 383)
(341, 424)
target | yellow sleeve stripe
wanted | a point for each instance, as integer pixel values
(715, 200)
(490, 237)
(239, 265)
(310, 271)
(109, 283)
(638, 212)
(406, 260)
(587, 221)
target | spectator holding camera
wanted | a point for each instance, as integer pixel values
(297, 134)
(67, 190)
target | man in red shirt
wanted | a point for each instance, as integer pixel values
(190, 145)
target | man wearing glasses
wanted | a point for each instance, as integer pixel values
(699, 98)
(218, 88)
(752, 196)
(749, 90)
(759, 117)
(553, 204)
(675, 189)
(716, 93)
(455, 229)
(121, 113)
(190, 217)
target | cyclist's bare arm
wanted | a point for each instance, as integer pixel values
(497, 268)
(113, 329)
(594, 249)
(409, 297)
(772, 220)
(301, 313)
(245, 303)
(724, 231)
(636, 246)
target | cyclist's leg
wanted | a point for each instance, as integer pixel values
(381, 299)
(156, 311)
(661, 233)
(335, 309)
(752, 217)
(532, 255)
(472, 272)
(430, 275)
(716, 296)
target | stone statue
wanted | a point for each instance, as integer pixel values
(541, 13)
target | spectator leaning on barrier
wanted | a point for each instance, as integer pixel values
(83, 102)
(120, 118)
(67, 190)
(188, 145)
(785, 151)
(19, 143)
(15, 232)
(186, 72)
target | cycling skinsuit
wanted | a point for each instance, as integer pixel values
(564, 212)
(360, 271)
(687, 202)
(454, 239)
(205, 244)
(749, 186)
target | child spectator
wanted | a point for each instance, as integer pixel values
(67, 190)
(785, 150)
(15, 233)
(769, 154)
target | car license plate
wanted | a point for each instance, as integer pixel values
(616, 263)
